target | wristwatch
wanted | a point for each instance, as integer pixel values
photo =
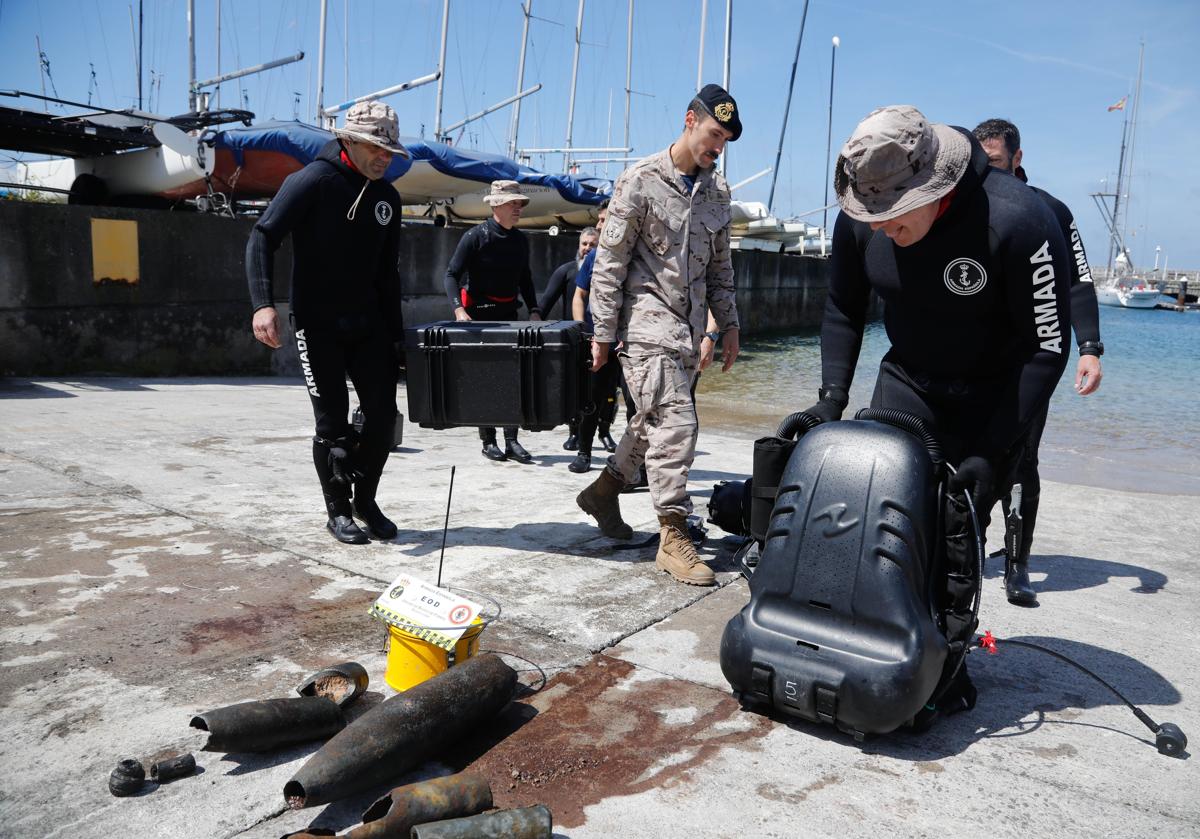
(1095, 348)
(713, 336)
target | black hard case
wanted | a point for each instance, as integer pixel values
(530, 374)
(840, 628)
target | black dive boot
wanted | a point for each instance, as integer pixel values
(342, 525)
(572, 441)
(1018, 539)
(514, 449)
(365, 508)
(605, 438)
(490, 450)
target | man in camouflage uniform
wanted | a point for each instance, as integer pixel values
(663, 262)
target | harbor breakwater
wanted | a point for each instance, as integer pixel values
(105, 290)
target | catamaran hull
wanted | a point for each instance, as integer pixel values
(1129, 298)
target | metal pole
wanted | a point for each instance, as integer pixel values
(320, 116)
(437, 118)
(516, 114)
(725, 77)
(700, 60)
(516, 98)
(829, 136)
(787, 108)
(1133, 119)
(379, 94)
(218, 52)
(628, 70)
(141, 50)
(248, 71)
(191, 22)
(574, 79)
(42, 70)
(346, 48)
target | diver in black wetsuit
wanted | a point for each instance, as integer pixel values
(973, 270)
(1002, 142)
(495, 257)
(345, 306)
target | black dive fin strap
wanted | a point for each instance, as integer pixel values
(342, 468)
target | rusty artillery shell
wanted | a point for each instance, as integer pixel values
(525, 823)
(404, 731)
(342, 683)
(269, 724)
(427, 801)
(127, 778)
(172, 768)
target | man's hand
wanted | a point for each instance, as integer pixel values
(461, 314)
(266, 327)
(707, 347)
(1087, 375)
(599, 354)
(729, 349)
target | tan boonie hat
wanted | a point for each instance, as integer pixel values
(505, 191)
(896, 161)
(373, 122)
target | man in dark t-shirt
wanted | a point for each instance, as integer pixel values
(1002, 142)
(344, 219)
(494, 257)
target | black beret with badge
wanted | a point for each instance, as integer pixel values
(720, 106)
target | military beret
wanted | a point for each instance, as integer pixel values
(719, 105)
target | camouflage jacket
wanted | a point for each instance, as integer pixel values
(663, 255)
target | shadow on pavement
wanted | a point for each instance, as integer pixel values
(1073, 573)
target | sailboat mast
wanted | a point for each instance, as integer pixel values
(191, 23)
(1115, 230)
(1137, 104)
(218, 52)
(437, 117)
(320, 118)
(628, 75)
(787, 108)
(574, 80)
(516, 114)
(725, 77)
(700, 60)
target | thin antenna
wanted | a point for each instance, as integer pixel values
(787, 108)
(445, 527)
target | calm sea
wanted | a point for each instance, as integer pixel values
(1140, 431)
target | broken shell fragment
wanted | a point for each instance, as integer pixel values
(525, 823)
(173, 768)
(127, 778)
(342, 683)
(440, 798)
(269, 724)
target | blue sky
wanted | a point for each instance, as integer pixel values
(1051, 67)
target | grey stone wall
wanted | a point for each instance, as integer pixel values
(189, 314)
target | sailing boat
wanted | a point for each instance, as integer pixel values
(1122, 286)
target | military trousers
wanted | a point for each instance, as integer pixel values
(662, 432)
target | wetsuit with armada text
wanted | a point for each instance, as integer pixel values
(345, 310)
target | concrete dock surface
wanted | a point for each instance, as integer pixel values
(162, 553)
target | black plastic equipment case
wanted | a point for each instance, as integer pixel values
(841, 626)
(530, 374)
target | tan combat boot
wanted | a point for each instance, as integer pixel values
(599, 501)
(677, 555)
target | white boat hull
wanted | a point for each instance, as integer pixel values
(1129, 298)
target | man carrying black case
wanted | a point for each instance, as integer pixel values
(345, 224)
(495, 257)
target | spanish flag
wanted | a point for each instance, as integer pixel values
(1119, 106)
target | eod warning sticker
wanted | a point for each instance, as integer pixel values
(432, 614)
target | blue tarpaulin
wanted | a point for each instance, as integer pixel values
(304, 142)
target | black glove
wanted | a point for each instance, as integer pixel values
(341, 462)
(833, 401)
(974, 475)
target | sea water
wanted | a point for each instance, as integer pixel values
(1140, 431)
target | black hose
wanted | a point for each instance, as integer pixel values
(797, 424)
(906, 422)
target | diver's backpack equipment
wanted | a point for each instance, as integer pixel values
(843, 624)
(496, 373)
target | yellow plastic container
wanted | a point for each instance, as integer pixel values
(411, 660)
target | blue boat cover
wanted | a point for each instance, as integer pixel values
(304, 142)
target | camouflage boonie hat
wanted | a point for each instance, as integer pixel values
(505, 191)
(373, 122)
(896, 161)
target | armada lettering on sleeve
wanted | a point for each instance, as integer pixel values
(302, 348)
(1046, 314)
(1081, 264)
